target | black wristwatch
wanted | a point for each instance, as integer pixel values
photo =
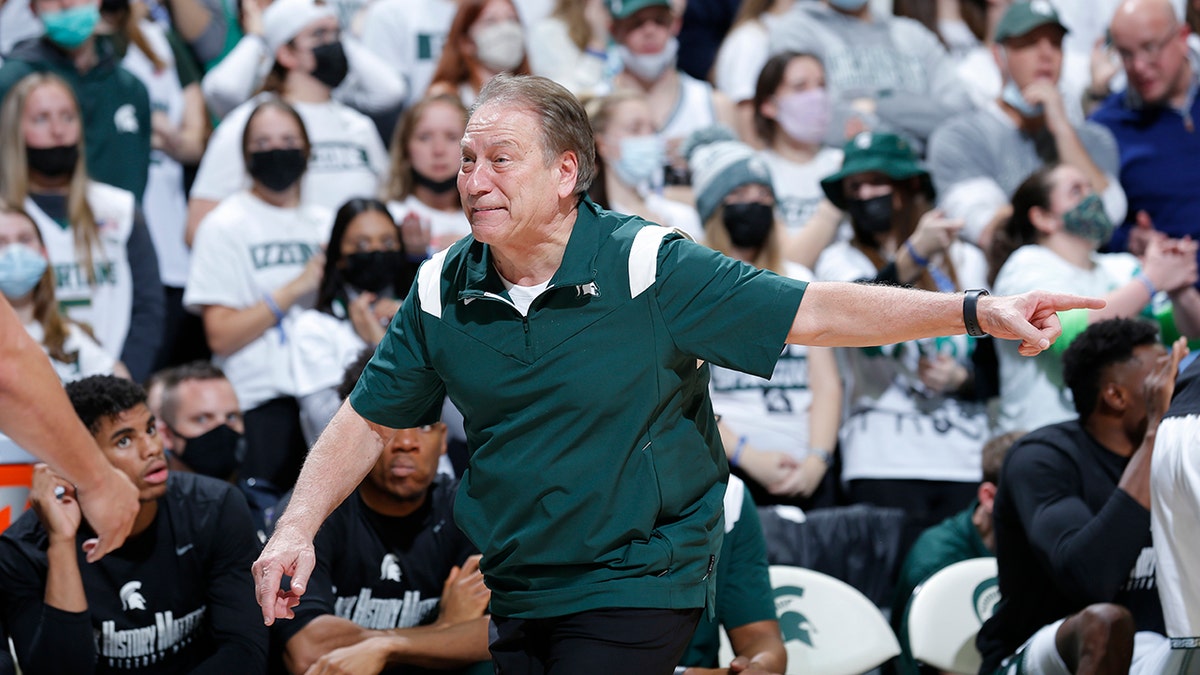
(970, 317)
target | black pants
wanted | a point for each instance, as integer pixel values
(598, 642)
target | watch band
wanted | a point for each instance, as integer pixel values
(970, 315)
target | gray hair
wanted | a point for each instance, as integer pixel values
(564, 123)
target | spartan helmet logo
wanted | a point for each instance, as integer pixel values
(131, 599)
(389, 569)
(792, 622)
(985, 598)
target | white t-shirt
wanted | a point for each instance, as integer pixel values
(107, 307)
(740, 59)
(670, 214)
(243, 249)
(693, 111)
(409, 35)
(772, 413)
(90, 359)
(164, 203)
(894, 427)
(798, 186)
(445, 227)
(1032, 393)
(321, 347)
(348, 160)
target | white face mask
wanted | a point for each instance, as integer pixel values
(648, 67)
(500, 46)
(642, 159)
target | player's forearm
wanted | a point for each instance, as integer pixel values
(64, 585)
(451, 646)
(319, 637)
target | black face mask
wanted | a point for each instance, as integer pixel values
(278, 170)
(749, 223)
(214, 452)
(373, 271)
(331, 65)
(437, 186)
(54, 162)
(872, 215)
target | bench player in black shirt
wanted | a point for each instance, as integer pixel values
(177, 597)
(1072, 517)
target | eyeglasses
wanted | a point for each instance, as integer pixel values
(1149, 52)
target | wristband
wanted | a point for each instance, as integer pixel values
(970, 315)
(680, 670)
(598, 53)
(1141, 276)
(274, 308)
(737, 452)
(278, 316)
(916, 257)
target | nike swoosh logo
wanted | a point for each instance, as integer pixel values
(180, 550)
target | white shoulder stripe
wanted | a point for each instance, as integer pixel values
(643, 257)
(429, 283)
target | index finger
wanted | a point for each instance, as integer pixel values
(1061, 302)
(266, 587)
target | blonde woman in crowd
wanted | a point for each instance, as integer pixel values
(780, 433)
(422, 187)
(630, 159)
(96, 241)
(27, 282)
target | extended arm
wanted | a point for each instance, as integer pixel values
(334, 466)
(835, 314)
(35, 413)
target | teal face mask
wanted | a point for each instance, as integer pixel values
(70, 27)
(1088, 220)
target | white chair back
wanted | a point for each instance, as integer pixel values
(828, 626)
(947, 611)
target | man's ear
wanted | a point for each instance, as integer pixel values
(986, 493)
(568, 167)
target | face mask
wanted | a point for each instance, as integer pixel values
(500, 46)
(331, 65)
(848, 5)
(1089, 220)
(373, 271)
(749, 224)
(1012, 96)
(647, 67)
(642, 158)
(804, 115)
(53, 162)
(278, 170)
(438, 186)
(212, 453)
(70, 27)
(21, 268)
(872, 215)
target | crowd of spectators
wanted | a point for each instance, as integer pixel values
(229, 201)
